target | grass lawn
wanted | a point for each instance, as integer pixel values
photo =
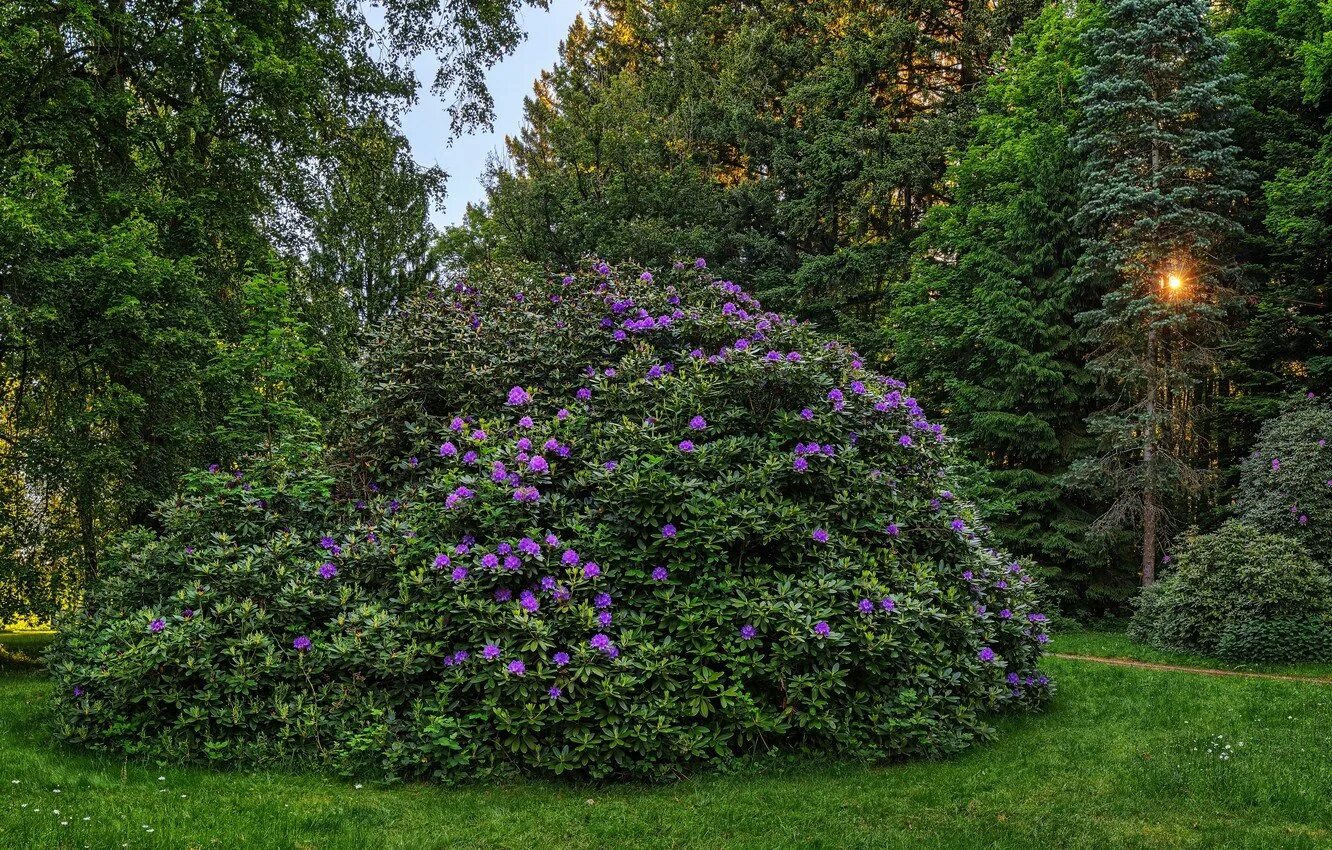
(1124, 758)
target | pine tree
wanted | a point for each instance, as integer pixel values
(984, 329)
(1160, 187)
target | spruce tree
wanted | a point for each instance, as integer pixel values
(1160, 186)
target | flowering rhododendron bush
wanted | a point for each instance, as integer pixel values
(605, 523)
(1286, 483)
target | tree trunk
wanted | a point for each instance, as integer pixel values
(1148, 468)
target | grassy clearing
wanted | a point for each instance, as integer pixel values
(1113, 643)
(1125, 758)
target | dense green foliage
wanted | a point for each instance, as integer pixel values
(154, 159)
(1282, 53)
(982, 197)
(999, 225)
(1241, 593)
(797, 145)
(668, 527)
(1286, 484)
(985, 324)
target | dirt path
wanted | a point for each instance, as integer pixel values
(1176, 668)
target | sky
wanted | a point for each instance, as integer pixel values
(427, 124)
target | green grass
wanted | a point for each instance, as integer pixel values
(1125, 758)
(23, 649)
(1111, 642)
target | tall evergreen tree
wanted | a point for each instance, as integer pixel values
(984, 328)
(1160, 190)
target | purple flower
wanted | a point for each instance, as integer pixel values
(604, 618)
(865, 606)
(646, 277)
(806, 414)
(668, 530)
(820, 536)
(448, 449)
(527, 599)
(591, 570)
(905, 440)
(538, 464)
(1043, 638)
(1005, 614)
(602, 600)
(555, 692)
(519, 396)
(1276, 465)
(958, 525)
(78, 692)
(892, 530)
(327, 571)
(517, 668)
(460, 573)
(526, 494)
(887, 603)
(490, 652)
(986, 654)
(490, 560)
(561, 659)
(583, 394)
(503, 594)
(599, 641)
(800, 464)
(660, 574)
(188, 613)
(609, 466)
(157, 625)
(748, 632)
(570, 558)
(698, 423)
(686, 446)
(700, 263)
(301, 644)
(821, 628)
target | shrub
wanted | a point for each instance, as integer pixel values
(1280, 639)
(1233, 589)
(1286, 483)
(602, 524)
